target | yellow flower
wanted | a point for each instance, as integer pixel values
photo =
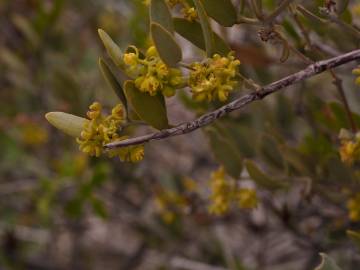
(130, 59)
(189, 13)
(221, 192)
(213, 79)
(353, 206)
(151, 75)
(169, 203)
(350, 146)
(247, 198)
(356, 71)
(349, 151)
(101, 130)
(225, 193)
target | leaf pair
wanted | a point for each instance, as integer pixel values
(150, 109)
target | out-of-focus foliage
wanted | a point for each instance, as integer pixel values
(268, 187)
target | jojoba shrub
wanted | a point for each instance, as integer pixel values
(226, 137)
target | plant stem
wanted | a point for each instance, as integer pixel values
(283, 5)
(243, 101)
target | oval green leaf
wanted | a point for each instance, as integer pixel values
(225, 152)
(222, 11)
(160, 13)
(112, 81)
(68, 123)
(261, 178)
(342, 6)
(112, 49)
(169, 51)
(192, 32)
(149, 108)
(206, 28)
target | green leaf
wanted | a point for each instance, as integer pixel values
(342, 6)
(222, 11)
(225, 152)
(150, 109)
(192, 31)
(327, 263)
(98, 207)
(169, 51)
(206, 28)
(270, 152)
(112, 81)
(112, 49)
(27, 29)
(261, 178)
(68, 123)
(160, 13)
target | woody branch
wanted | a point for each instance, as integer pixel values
(241, 102)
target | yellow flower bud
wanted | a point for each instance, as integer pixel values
(151, 52)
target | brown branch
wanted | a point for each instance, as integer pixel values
(241, 102)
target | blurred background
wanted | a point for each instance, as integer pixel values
(60, 209)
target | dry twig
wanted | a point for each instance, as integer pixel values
(241, 102)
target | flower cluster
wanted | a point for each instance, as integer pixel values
(169, 203)
(188, 11)
(101, 130)
(247, 198)
(213, 79)
(350, 147)
(224, 192)
(151, 74)
(353, 206)
(356, 71)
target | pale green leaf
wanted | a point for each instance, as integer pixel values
(68, 123)
(160, 13)
(150, 109)
(225, 152)
(222, 11)
(112, 81)
(192, 31)
(206, 28)
(112, 49)
(261, 178)
(169, 51)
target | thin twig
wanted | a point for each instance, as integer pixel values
(283, 5)
(241, 102)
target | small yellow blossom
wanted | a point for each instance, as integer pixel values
(101, 130)
(247, 198)
(169, 203)
(353, 206)
(189, 13)
(151, 74)
(356, 71)
(221, 192)
(350, 147)
(213, 79)
(225, 193)
(349, 152)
